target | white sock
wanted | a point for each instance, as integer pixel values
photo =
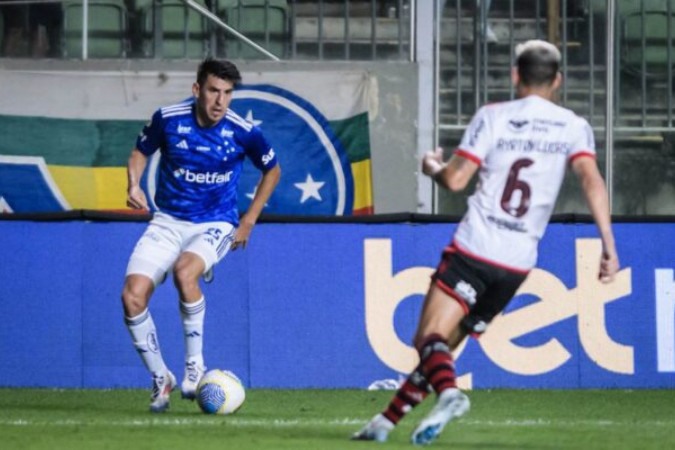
(192, 315)
(144, 337)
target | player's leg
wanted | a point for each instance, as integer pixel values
(437, 319)
(192, 305)
(478, 292)
(411, 393)
(152, 256)
(440, 325)
(207, 244)
(440, 318)
(457, 283)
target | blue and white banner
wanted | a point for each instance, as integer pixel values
(335, 306)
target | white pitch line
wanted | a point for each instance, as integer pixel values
(292, 423)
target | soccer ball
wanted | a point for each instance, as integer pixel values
(220, 392)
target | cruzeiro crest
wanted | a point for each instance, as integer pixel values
(316, 175)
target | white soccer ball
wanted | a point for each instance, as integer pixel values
(220, 392)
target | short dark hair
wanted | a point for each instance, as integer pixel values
(537, 66)
(225, 70)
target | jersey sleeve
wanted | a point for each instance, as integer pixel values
(475, 142)
(150, 138)
(583, 141)
(259, 151)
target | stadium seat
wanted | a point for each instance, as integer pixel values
(263, 21)
(107, 25)
(185, 32)
(654, 24)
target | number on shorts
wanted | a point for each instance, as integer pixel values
(517, 187)
(215, 232)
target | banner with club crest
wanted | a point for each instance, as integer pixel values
(67, 137)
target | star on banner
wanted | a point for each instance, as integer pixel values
(250, 119)
(310, 189)
(4, 206)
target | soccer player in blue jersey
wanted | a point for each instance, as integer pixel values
(203, 145)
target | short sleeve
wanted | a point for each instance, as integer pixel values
(582, 139)
(476, 140)
(259, 151)
(150, 138)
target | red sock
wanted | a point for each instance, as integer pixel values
(437, 364)
(410, 394)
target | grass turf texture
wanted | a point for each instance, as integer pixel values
(324, 419)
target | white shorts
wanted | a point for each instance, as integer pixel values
(166, 238)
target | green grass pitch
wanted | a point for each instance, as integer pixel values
(324, 420)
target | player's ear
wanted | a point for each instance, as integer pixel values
(557, 81)
(515, 78)
(195, 89)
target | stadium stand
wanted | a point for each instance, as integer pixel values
(264, 22)
(107, 25)
(184, 32)
(644, 36)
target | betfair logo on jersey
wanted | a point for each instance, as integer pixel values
(202, 177)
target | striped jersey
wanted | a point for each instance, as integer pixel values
(523, 147)
(200, 166)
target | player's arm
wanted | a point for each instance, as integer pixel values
(268, 182)
(135, 167)
(597, 199)
(454, 174)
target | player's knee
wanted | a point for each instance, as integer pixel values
(134, 299)
(185, 278)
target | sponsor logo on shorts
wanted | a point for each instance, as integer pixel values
(466, 291)
(480, 327)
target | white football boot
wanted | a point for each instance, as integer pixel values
(376, 430)
(162, 386)
(193, 373)
(451, 404)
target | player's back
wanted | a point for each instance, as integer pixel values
(523, 147)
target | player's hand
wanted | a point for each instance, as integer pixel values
(242, 234)
(136, 198)
(432, 162)
(609, 266)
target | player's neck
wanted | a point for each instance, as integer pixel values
(545, 92)
(203, 122)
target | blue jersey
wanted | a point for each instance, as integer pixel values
(199, 167)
